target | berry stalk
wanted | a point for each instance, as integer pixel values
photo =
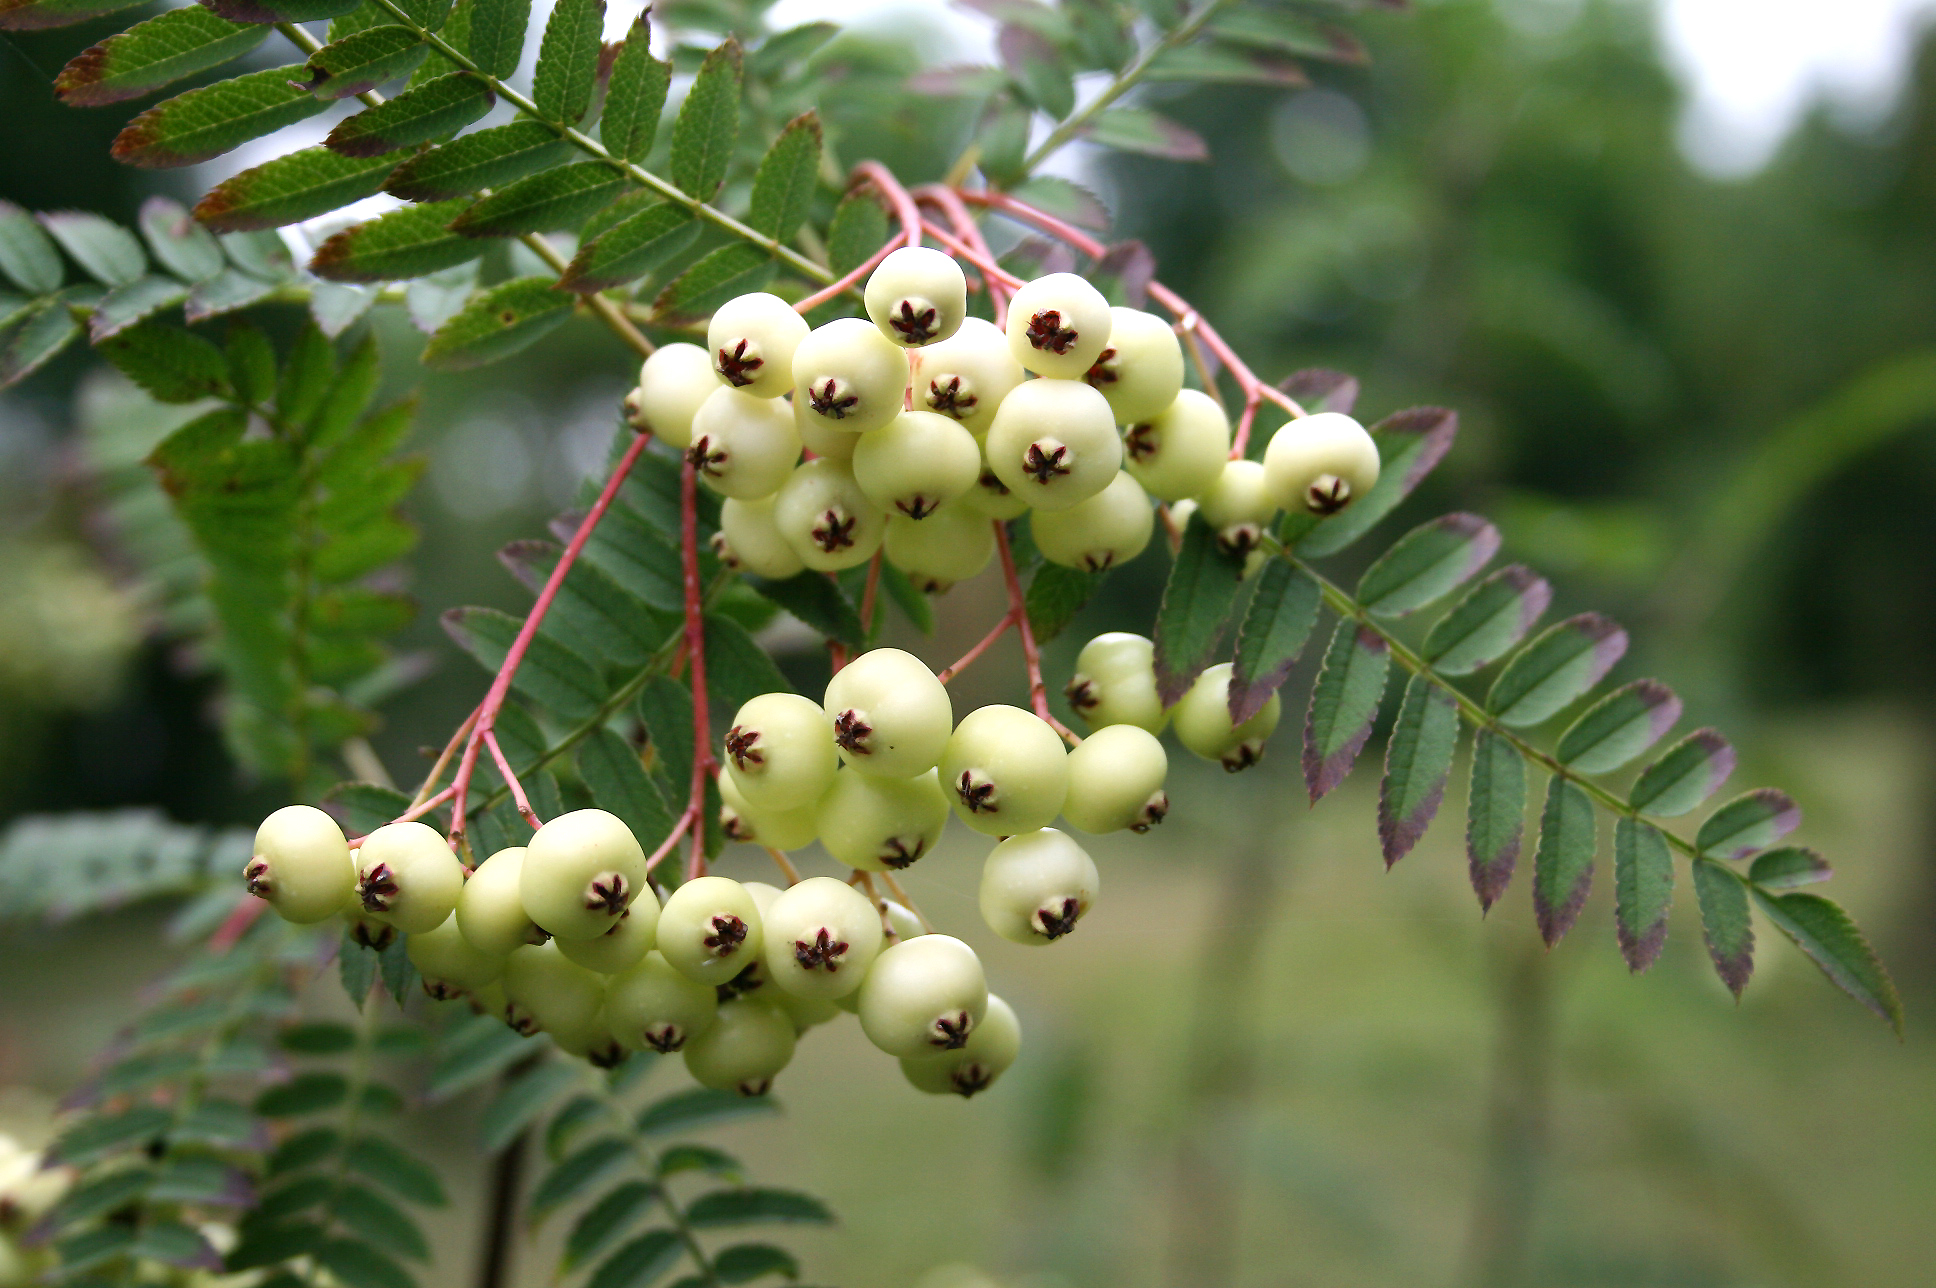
(1018, 609)
(969, 232)
(702, 739)
(969, 658)
(883, 182)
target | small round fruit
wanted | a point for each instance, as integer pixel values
(593, 1042)
(880, 824)
(1006, 770)
(1054, 443)
(804, 1012)
(952, 544)
(991, 497)
(490, 910)
(548, 991)
(1141, 369)
(1115, 683)
(490, 1000)
(1116, 781)
(367, 929)
(1203, 722)
(791, 829)
(891, 716)
(1036, 885)
(744, 1048)
(901, 921)
(821, 936)
(1179, 451)
(654, 1007)
(752, 338)
(407, 876)
(744, 446)
(1058, 326)
(709, 930)
(301, 865)
(1112, 527)
(673, 382)
(780, 751)
(966, 376)
(580, 872)
(822, 513)
(819, 436)
(448, 963)
(749, 540)
(1238, 507)
(922, 996)
(1320, 463)
(917, 296)
(623, 946)
(916, 463)
(984, 1057)
(851, 376)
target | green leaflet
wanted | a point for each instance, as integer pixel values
(737, 669)
(619, 783)
(644, 1260)
(364, 60)
(1725, 924)
(432, 110)
(610, 1217)
(1038, 70)
(631, 248)
(1488, 622)
(1821, 929)
(1055, 595)
(124, 306)
(270, 11)
(1344, 703)
(358, 1265)
(783, 187)
(1564, 662)
(638, 557)
(733, 269)
(752, 1205)
(592, 614)
(1197, 599)
(1563, 863)
(561, 87)
(1222, 65)
(521, 1101)
(574, 1173)
(205, 123)
(497, 323)
(1788, 867)
(227, 291)
(171, 364)
(1750, 822)
(1418, 760)
(405, 243)
(636, 96)
(1283, 609)
(1619, 727)
(184, 247)
(1427, 564)
(1287, 32)
(33, 338)
(819, 602)
(1495, 815)
(543, 202)
(1692, 770)
(38, 15)
(551, 675)
(747, 1261)
(1643, 891)
(858, 230)
(497, 34)
(707, 128)
(150, 54)
(487, 159)
(378, 1220)
(1137, 129)
(27, 254)
(1411, 443)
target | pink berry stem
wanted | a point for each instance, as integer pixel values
(869, 595)
(987, 641)
(882, 180)
(702, 735)
(425, 806)
(1242, 440)
(787, 870)
(236, 924)
(511, 780)
(1018, 609)
(671, 842)
(970, 233)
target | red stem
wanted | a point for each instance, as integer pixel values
(868, 596)
(1242, 440)
(1018, 609)
(897, 198)
(425, 806)
(235, 925)
(702, 726)
(511, 780)
(970, 234)
(848, 282)
(969, 658)
(671, 842)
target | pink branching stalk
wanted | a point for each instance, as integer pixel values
(969, 658)
(702, 725)
(975, 246)
(1018, 609)
(504, 770)
(671, 842)
(883, 182)
(870, 595)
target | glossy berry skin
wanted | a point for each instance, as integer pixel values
(673, 382)
(966, 376)
(622, 947)
(744, 1048)
(1005, 771)
(881, 824)
(990, 496)
(779, 751)
(745, 447)
(891, 716)
(593, 1042)
(407, 876)
(1054, 443)
(546, 991)
(448, 963)
(952, 544)
(1058, 326)
(916, 463)
(709, 930)
(989, 1052)
(490, 912)
(1112, 527)
(804, 1012)
(1320, 464)
(1140, 371)
(652, 1007)
(752, 339)
(821, 936)
(851, 376)
(1036, 886)
(825, 517)
(749, 540)
(822, 437)
(923, 996)
(791, 829)
(1116, 781)
(1181, 450)
(1115, 683)
(917, 296)
(580, 872)
(1203, 722)
(1238, 507)
(301, 865)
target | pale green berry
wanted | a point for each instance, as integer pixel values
(743, 1049)
(850, 375)
(1036, 885)
(1320, 464)
(301, 865)
(366, 928)
(922, 996)
(1054, 443)
(448, 963)
(490, 911)
(490, 1000)
(1237, 507)
(991, 497)
(580, 872)
(407, 876)
(654, 1007)
(548, 991)
(952, 544)
(744, 446)
(1006, 771)
(966, 376)
(1115, 683)
(821, 936)
(749, 540)
(877, 824)
(1141, 369)
(917, 296)
(622, 947)
(822, 437)
(791, 829)
(673, 382)
(891, 717)
(780, 751)
(1058, 326)
(901, 921)
(1179, 451)
(822, 513)
(990, 1050)
(1116, 781)
(593, 1042)
(1112, 527)
(752, 338)
(709, 930)
(916, 463)
(1203, 722)
(804, 1012)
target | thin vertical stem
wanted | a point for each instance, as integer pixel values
(522, 801)
(987, 641)
(702, 725)
(1018, 608)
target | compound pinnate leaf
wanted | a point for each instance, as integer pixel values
(1692, 770)
(1036, 67)
(362, 61)
(595, 616)
(1643, 891)
(698, 1107)
(1750, 822)
(306, 1093)
(1831, 939)
(1488, 622)
(784, 185)
(1318, 389)
(290, 189)
(109, 253)
(1137, 129)
(1055, 595)
(27, 254)
(543, 202)
(268, 11)
(401, 1173)
(33, 338)
(358, 1265)
(1725, 924)
(608, 1218)
(1287, 32)
(733, 269)
(522, 1101)
(1418, 760)
(184, 247)
(744, 1262)
(497, 34)
(430, 111)
(636, 96)
(487, 159)
(1225, 65)
(1788, 867)
(576, 1171)
(1197, 600)
(551, 675)
(1495, 815)
(859, 229)
(1560, 664)
(39, 15)
(1619, 727)
(1278, 623)
(139, 300)
(498, 323)
(171, 364)
(1563, 861)
(707, 128)
(619, 783)
(409, 242)
(756, 1206)
(1427, 564)
(640, 1263)
(567, 67)
(377, 1219)
(154, 53)
(205, 123)
(1411, 443)
(1344, 703)
(631, 248)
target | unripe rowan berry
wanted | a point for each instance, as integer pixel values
(780, 751)
(917, 296)
(952, 544)
(891, 716)
(1181, 450)
(1115, 683)
(1036, 885)
(1058, 326)
(1141, 369)
(709, 930)
(990, 496)
(580, 872)
(622, 947)
(654, 1007)
(366, 929)
(851, 376)
(966, 376)
(490, 1000)
(593, 1042)
(877, 824)
(916, 463)
(490, 910)
(1238, 507)
(407, 876)
(804, 1012)
(1203, 722)
(448, 963)
(1112, 527)
(787, 829)
(1116, 781)
(749, 540)
(301, 865)
(901, 921)
(547, 991)
(820, 437)
(922, 996)
(1006, 770)
(1320, 463)
(752, 339)
(1054, 443)
(821, 936)
(744, 446)
(988, 1053)
(822, 513)
(673, 382)
(744, 1048)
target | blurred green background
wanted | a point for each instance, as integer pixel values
(1702, 406)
